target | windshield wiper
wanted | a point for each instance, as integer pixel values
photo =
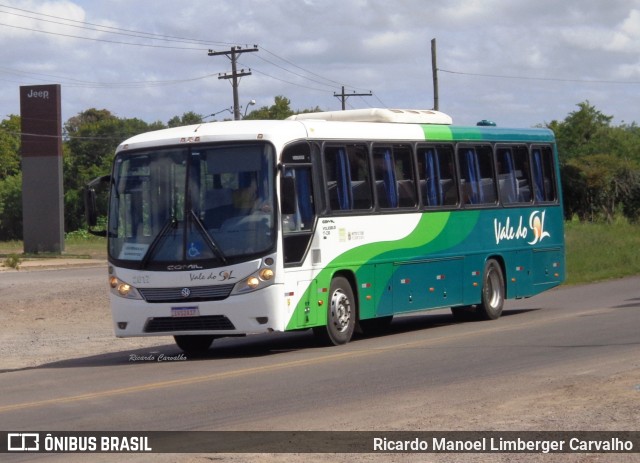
(208, 238)
(171, 223)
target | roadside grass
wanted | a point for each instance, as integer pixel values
(601, 251)
(595, 251)
(77, 245)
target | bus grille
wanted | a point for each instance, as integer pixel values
(197, 293)
(204, 323)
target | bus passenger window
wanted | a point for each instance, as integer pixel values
(360, 184)
(347, 177)
(405, 177)
(385, 178)
(514, 174)
(394, 180)
(437, 176)
(476, 173)
(543, 178)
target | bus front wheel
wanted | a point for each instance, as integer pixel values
(341, 314)
(493, 291)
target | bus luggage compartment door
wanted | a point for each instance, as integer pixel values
(427, 284)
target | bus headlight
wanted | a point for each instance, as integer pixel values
(266, 274)
(123, 289)
(261, 279)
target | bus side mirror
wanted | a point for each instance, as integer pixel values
(287, 195)
(90, 208)
(90, 203)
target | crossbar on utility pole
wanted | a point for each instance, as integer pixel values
(343, 96)
(235, 75)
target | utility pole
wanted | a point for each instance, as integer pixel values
(233, 56)
(343, 96)
(434, 69)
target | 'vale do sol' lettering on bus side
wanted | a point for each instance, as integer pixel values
(508, 232)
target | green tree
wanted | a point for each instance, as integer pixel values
(9, 146)
(574, 192)
(11, 207)
(187, 118)
(600, 164)
(624, 142)
(631, 205)
(281, 109)
(607, 183)
(93, 137)
(583, 132)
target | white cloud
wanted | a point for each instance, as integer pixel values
(631, 25)
(311, 47)
(318, 46)
(388, 41)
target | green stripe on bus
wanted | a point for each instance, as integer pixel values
(435, 232)
(437, 132)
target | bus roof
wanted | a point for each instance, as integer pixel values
(397, 116)
(317, 126)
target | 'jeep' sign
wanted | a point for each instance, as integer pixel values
(41, 120)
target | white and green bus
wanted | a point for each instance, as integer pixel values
(334, 221)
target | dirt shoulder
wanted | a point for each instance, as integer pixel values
(45, 319)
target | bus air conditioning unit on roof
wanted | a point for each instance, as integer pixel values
(402, 116)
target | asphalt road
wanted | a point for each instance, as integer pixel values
(427, 372)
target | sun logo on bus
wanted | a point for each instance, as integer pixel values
(536, 224)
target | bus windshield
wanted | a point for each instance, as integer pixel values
(193, 206)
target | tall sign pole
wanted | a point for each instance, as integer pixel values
(41, 149)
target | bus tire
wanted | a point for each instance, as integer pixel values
(194, 344)
(493, 291)
(341, 314)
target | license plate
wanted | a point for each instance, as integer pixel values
(185, 312)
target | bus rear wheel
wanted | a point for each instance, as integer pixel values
(194, 344)
(493, 292)
(341, 314)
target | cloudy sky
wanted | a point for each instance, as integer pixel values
(517, 62)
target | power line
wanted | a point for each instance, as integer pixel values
(332, 83)
(90, 84)
(287, 81)
(110, 29)
(162, 47)
(153, 36)
(320, 80)
(549, 79)
(59, 34)
(343, 96)
(384, 105)
(167, 38)
(66, 136)
(295, 73)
